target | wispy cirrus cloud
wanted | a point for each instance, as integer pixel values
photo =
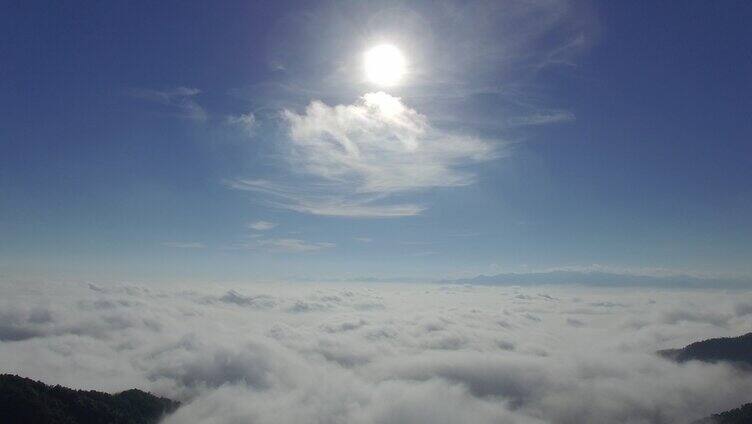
(282, 245)
(292, 245)
(246, 122)
(323, 199)
(262, 225)
(543, 118)
(351, 160)
(180, 99)
(261, 242)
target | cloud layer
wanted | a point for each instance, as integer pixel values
(350, 160)
(382, 353)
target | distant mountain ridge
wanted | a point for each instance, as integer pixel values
(740, 415)
(25, 401)
(736, 350)
(601, 278)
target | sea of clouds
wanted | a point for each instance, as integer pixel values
(382, 353)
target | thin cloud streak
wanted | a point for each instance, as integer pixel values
(181, 99)
(293, 245)
(262, 225)
(281, 245)
(325, 201)
(246, 122)
(543, 118)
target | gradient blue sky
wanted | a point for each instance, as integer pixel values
(611, 135)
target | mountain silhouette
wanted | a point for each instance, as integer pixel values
(25, 401)
(735, 350)
(740, 415)
(599, 279)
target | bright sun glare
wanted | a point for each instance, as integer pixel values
(384, 65)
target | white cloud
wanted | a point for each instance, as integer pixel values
(381, 146)
(181, 98)
(259, 241)
(352, 160)
(325, 200)
(247, 122)
(292, 245)
(376, 353)
(262, 225)
(543, 118)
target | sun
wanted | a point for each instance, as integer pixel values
(384, 65)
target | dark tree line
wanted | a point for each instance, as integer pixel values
(25, 401)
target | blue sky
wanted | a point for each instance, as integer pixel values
(240, 141)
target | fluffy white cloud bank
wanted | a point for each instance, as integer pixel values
(382, 353)
(381, 146)
(352, 158)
